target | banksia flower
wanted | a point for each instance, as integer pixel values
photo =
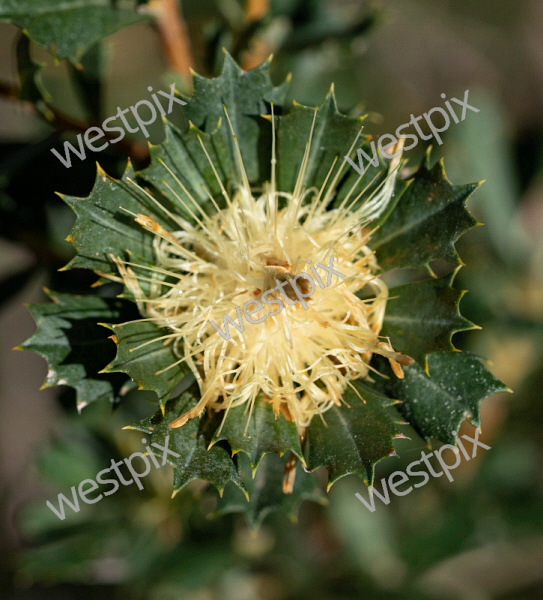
(302, 358)
(254, 205)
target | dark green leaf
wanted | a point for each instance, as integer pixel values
(353, 439)
(430, 216)
(421, 317)
(266, 494)
(436, 406)
(246, 95)
(181, 158)
(142, 364)
(264, 434)
(102, 228)
(76, 347)
(67, 28)
(191, 442)
(333, 135)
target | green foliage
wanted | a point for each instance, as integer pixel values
(435, 542)
(103, 228)
(246, 95)
(141, 356)
(333, 136)
(181, 158)
(331, 133)
(436, 405)
(352, 439)
(262, 434)
(421, 317)
(53, 24)
(265, 492)
(76, 347)
(191, 442)
(427, 221)
(422, 223)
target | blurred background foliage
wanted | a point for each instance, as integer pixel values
(478, 538)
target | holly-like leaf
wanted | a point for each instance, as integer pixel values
(76, 347)
(264, 434)
(428, 219)
(53, 24)
(103, 228)
(191, 442)
(333, 136)
(246, 95)
(142, 359)
(421, 317)
(352, 440)
(436, 406)
(266, 494)
(179, 166)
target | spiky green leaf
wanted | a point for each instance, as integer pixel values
(436, 406)
(421, 317)
(262, 435)
(67, 28)
(102, 226)
(266, 494)
(191, 442)
(181, 170)
(142, 356)
(424, 226)
(332, 136)
(75, 347)
(247, 95)
(352, 440)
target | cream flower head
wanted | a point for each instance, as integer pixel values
(301, 361)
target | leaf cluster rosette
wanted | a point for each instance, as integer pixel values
(188, 233)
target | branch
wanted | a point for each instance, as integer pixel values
(62, 122)
(173, 32)
(256, 9)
